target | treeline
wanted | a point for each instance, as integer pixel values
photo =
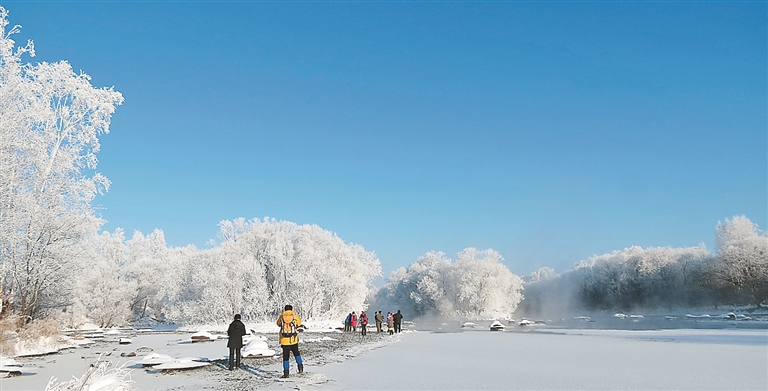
(660, 277)
(257, 267)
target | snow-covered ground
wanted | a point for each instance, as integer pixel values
(447, 357)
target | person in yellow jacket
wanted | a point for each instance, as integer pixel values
(290, 323)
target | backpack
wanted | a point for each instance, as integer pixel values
(289, 325)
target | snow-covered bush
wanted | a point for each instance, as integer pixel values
(20, 337)
(476, 285)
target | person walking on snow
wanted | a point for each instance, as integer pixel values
(235, 332)
(363, 323)
(290, 323)
(348, 322)
(390, 323)
(379, 319)
(354, 321)
(398, 318)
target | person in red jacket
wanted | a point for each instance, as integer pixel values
(354, 321)
(363, 323)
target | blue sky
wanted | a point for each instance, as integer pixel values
(548, 131)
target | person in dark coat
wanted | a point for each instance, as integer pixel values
(379, 320)
(398, 318)
(235, 332)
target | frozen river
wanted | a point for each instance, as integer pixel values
(564, 359)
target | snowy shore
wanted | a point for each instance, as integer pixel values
(441, 357)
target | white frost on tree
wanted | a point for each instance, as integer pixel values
(104, 293)
(50, 120)
(742, 255)
(477, 285)
(543, 274)
(258, 267)
(639, 277)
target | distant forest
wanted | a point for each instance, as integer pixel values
(661, 277)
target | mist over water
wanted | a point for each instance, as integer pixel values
(715, 320)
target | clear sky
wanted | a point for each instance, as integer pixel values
(548, 131)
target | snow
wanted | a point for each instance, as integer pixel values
(544, 357)
(155, 359)
(318, 339)
(564, 361)
(257, 347)
(203, 336)
(37, 347)
(494, 326)
(182, 363)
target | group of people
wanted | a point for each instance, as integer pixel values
(290, 325)
(394, 322)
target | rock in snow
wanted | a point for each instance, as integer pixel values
(497, 326)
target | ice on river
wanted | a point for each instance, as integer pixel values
(562, 360)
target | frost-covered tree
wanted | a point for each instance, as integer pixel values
(256, 268)
(483, 285)
(637, 277)
(742, 259)
(150, 269)
(476, 285)
(104, 292)
(50, 120)
(420, 289)
(543, 274)
(623, 280)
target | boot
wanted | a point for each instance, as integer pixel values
(301, 368)
(285, 374)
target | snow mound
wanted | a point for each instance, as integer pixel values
(9, 367)
(155, 359)
(257, 347)
(497, 326)
(182, 363)
(203, 336)
(36, 347)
